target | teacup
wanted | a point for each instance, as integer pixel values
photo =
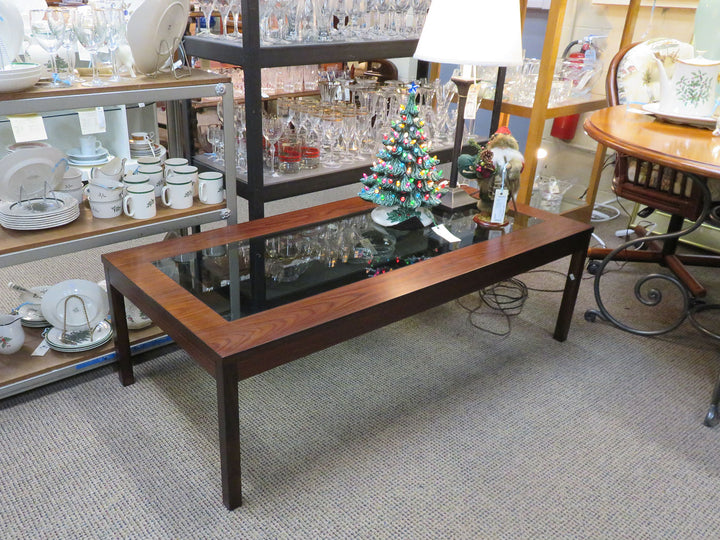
(89, 145)
(139, 203)
(103, 190)
(104, 209)
(210, 187)
(177, 192)
(100, 175)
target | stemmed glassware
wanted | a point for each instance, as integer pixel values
(224, 7)
(207, 7)
(90, 27)
(61, 23)
(49, 40)
(115, 36)
(236, 9)
(273, 128)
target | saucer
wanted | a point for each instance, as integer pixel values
(707, 122)
(76, 155)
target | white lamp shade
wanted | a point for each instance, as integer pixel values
(475, 32)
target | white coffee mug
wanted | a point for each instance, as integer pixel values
(173, 163)
(177, 193)
(148, 160)
(104, 190)
(185, 172)
(139, 203)
(106, 209)
(89, 145)
(155, 176)
(134, 180)
(211, 188)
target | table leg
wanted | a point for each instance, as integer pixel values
(121, 335)
(711, 418)
(229, 432)
(572, 286)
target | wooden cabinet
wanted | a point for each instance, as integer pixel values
(540, 112)
(22, 371)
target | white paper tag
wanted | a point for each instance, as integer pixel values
(41, 349)
(92, 120)
(499, 205)
(28, 127)
(472, 102)
(442, 232)
(83, 54)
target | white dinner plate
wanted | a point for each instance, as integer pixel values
(34, 169)
(707, 122)
(79, 340)
(76, 155)
(75, 304)
(154, 31)
(11, 28)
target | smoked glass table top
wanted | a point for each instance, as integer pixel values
(269, 271)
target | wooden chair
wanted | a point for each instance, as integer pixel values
(633, 78)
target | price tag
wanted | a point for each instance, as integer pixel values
(499, 205)
(83, 54)
(92, 120)
(442, 232)
(471, 104)
(28, 127)
(41, 349)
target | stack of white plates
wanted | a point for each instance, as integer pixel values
(19, 76)
(79, 340)
(145, 149)
(32, 316)
(99, 157)
(39, 213)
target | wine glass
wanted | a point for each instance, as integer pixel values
(236, 10)
(207, 7)
(273, 128)
(115, 35)
(91, 29)
(224, 7)
(61, 24)
(46, 38)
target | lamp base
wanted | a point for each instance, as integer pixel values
(456, 199)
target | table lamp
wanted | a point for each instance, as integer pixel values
(470, 33)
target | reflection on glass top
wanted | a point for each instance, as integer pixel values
(268, 271)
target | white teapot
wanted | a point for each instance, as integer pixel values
(692, 90)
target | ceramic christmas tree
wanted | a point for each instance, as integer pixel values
(405, 181)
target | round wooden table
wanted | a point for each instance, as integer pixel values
(693, 150)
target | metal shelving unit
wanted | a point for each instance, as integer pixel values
(23, 371)
(253, 57)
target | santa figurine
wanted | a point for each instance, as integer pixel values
(500, 157)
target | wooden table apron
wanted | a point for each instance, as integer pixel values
(233, 350)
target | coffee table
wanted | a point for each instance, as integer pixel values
(246, 298)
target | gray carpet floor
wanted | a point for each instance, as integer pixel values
(432, 427)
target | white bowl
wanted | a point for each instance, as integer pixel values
(21, 83)
(106, 209)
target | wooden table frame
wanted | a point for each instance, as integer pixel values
(234, 350)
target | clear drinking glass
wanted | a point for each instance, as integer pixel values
(236, 9)
(115, 36)
(50, 41)
(91, 28)
(224, 7)
(273, 128)
(207, 7)
(61, 23)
